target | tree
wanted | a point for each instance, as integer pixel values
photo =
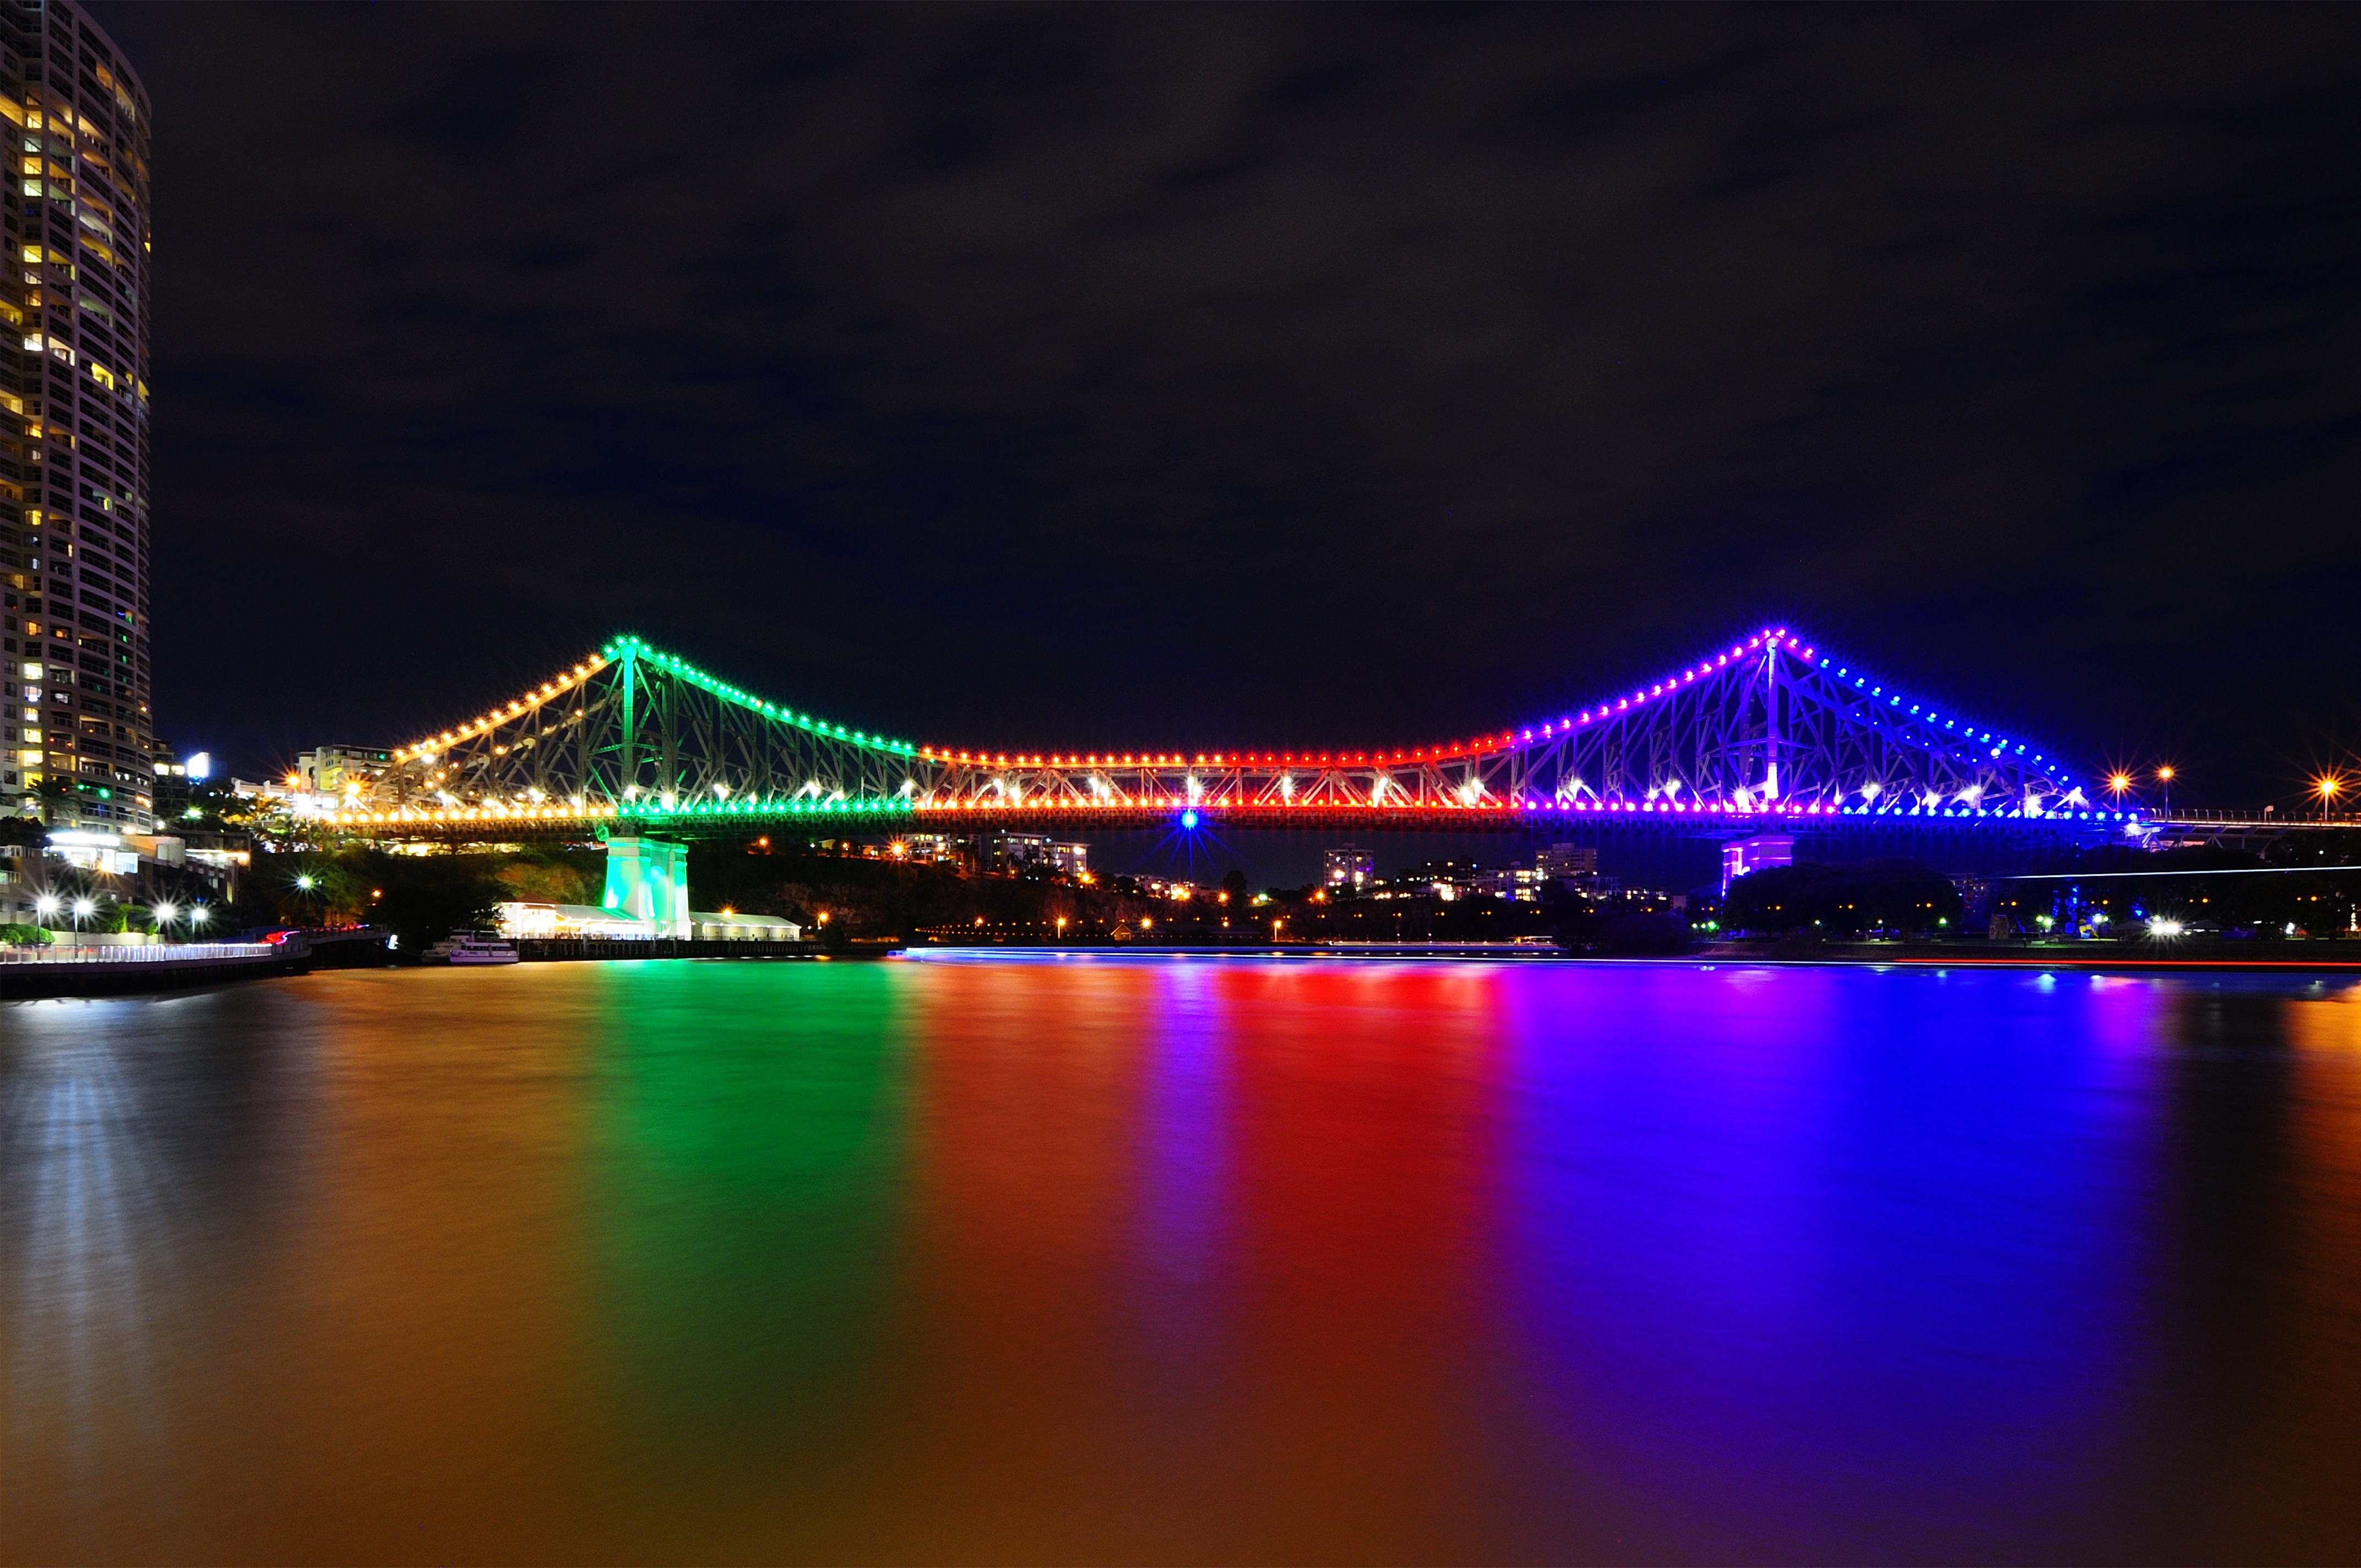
(1843, 901)
(1643, 935)
(541, 878)
(424, 898)
(56, 793)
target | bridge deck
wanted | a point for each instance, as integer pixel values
(725, 822)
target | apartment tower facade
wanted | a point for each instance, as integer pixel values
(79, 731)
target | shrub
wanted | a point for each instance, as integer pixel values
(1643, 935)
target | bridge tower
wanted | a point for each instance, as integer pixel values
(648, 879)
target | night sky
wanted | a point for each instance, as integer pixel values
(1099, 376)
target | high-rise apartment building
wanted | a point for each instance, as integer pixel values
(78, 730)
(1349, 867)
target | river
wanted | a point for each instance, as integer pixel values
(1099, 1258)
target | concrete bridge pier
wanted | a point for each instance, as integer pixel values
(648, 879)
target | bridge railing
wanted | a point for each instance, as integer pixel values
(2231, 818)
(159, 953)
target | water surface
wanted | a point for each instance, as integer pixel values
(1105, 1259)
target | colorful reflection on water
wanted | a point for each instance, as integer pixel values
(1111, 1259)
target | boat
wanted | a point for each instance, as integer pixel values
(471, 947)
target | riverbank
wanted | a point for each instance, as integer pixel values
(119, 971)
(1101, 948)
(2329, 957)
(612, 950)
(2282, 958)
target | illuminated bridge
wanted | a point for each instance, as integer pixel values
(1764, 733)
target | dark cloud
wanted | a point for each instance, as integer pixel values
(1136, 376)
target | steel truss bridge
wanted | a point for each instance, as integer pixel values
(1765, 733)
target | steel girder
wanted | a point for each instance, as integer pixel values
(632, 729)
(1773, 720)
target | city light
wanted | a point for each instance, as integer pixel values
(167, 912)
(2163, 925)
(1189, 821)
(45, 904)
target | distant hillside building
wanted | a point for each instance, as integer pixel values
(1564, 863)
(328, 770)
(1347, 866)
(925, 849)
(1742, 857)
(1009, 854)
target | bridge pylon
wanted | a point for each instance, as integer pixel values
(647, 879)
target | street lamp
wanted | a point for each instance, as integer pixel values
(2327, 787)
(311, 889)
(45, 908)
(2164, 776)
(83, 909)
(164, 914)
(199, 915)
(2118, 784)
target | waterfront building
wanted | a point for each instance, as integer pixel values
(95, 849)
(74, 488)
(19, 866)
(519, 917)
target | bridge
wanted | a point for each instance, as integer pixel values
(1759, 733)
(1767, 734)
